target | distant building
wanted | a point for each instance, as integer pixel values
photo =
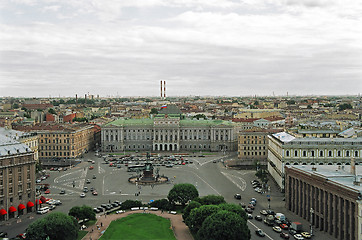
(168, 131)
(17, 178)
(253, 145)
(330, 197)
(62, 141)
(285, 149)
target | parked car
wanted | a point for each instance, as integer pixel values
(88, 181)
(263, 212)
(47, 191)
(306, 235)
(284, 226)
(95, 193)
(260, 233)
(82, 195)
(258, 218)
(94, 177)
(298, 237)
(237, 196)
(3, 234)
(62, 192)
(277, 229)
(249, 210)
(284, 235)
(250, 216)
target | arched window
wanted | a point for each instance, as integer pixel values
(321, 153)
(287, 153)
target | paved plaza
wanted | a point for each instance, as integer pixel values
(209, 174)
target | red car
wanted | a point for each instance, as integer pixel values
(91, 167)
(284, 226)
(47, 191)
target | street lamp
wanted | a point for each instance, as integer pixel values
(311, 221)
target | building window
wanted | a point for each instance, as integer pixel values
(287, 153)
(329, 153)
(355, 154)
(338, 153)
(304, 153)
(321, 153)
(295, 153)
(347, 153)
(312, 153)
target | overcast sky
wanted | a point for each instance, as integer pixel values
(200, 47)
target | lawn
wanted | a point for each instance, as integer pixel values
(140, 226)
(81, 234)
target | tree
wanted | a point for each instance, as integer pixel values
(52, 111)
(161, 204)
(130, 204)
(234, 208)
(262, 175)
(224, 225)
(198, 216)
(182, 193)
(344, 106)
(211, 200)
(82, 212)
(153, 111)
(188, 209)
(198, 116)
(55, 225)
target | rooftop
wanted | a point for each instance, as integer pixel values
(9, 146)
(339, 174)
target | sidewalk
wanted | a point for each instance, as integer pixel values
(180, 229)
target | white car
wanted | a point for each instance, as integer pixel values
(82, 195)
(298, 237)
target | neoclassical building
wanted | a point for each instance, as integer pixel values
(168, 131)
(329, 197)
(17, 178)
(284, 149)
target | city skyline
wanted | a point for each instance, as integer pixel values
(200, 48)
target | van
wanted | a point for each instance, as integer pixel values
(43, 210)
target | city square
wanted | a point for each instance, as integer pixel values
(209, 174)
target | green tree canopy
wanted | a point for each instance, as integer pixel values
(344, 106)
(224, 225)
(130, 204)
(153, 111)
(234, 208)
(211, 200)
(182, 193)
(198, 216)
(57, 226)
(52, 111)
(82, 212)
(189, 207)
(161, 204)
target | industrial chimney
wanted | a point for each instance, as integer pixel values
(164, 89)
(161, 89)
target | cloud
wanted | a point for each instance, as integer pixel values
(241, 48)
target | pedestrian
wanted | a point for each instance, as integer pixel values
(101, 224)
(161, 211)
(92, 230)
(109, 200)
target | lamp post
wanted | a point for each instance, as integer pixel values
(311, 221)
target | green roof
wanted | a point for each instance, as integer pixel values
(128, 122)
(188, 122)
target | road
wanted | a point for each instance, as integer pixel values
(112, 184)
